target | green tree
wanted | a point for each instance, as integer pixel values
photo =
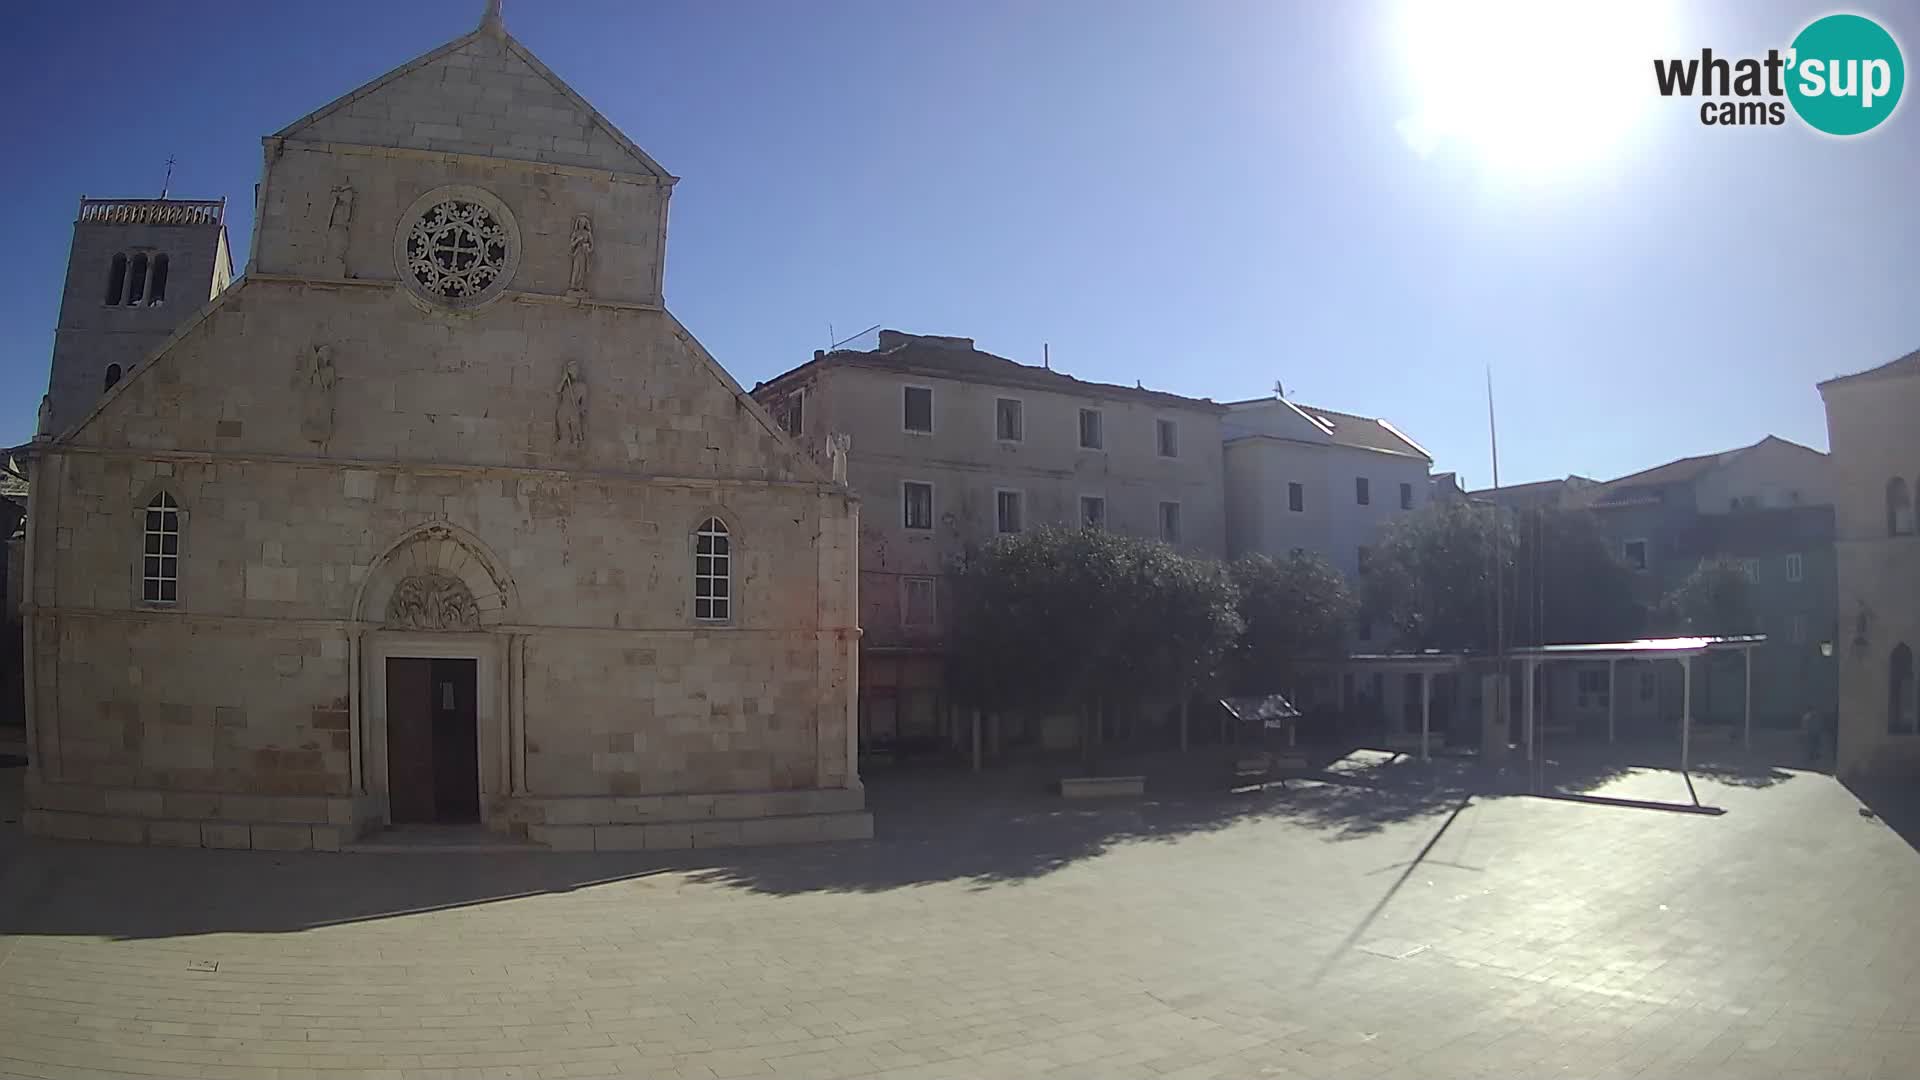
(1076, 618)
(1431, 577)
(1291, 609)
(1715, 600)
(1568, 585)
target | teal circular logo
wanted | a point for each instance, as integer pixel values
(1845, 74)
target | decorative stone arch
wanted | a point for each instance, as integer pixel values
(436, 576)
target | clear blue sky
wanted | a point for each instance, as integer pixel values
(1205, 196)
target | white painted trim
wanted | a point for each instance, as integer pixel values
(1022, 494)
(1079, 434)
(933, 401)
(933, 504)
(1022, 402)
(1080, 510)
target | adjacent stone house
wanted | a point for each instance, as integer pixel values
(949, 446)
(436, 515)
(1876, 472)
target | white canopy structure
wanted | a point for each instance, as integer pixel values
(1683, 650)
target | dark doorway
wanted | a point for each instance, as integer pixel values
(433, 740)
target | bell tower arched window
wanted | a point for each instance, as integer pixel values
(712, 572)
(1899, 508)
(116, 279)
(157, 291)
(111, 378)
(137, 279)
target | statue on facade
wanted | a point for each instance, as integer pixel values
(581, 249)
(570, 409)
(314, 382)
(45, 428)
(838, 445)
(339, 224)
(432, 602)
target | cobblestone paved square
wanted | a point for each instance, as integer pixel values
(1413, 930)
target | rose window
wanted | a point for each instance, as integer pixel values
(457, 250)
(456, 247)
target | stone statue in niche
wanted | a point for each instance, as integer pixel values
(838, 445)
(570, 409)
(432, 602)
(580, 247)
(45, 428)
(314, 382)
(339, 224)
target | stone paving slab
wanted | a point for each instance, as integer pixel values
(1410, 930)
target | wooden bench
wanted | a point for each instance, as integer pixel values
(1100, 787)
(1263, 765)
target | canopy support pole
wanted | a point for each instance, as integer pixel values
(1426, 710)
(1612, 667)
(1746, 737)
(1686, 711)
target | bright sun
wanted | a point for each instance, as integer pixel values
(1532, 87)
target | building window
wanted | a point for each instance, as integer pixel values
(137, 279)
(112, 376)
(712, 573)
(916, 409)
(1009, 420)
(1169, 436)
(1170, 522)
(1796, 568)
(117, 279)
(1093, 512)
(157, 292)
(1361, 493)
(1751, 568)
(161, 563)
(916, 601)
(459, 245)
(1744, 502)
(1091, 436)
(916, 505)
(1406, 496)
(1363, 559)
(793, 418)
(1900, 701)
(1296, 497)
(1899, 508)
(1365, 630)
(1635, 554)
(1797, 629)
(1007, 510)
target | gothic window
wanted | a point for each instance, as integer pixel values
(112, 377)
(161, 560)
(157, 292)
(457, 246)
(1900, 693)
(137, 279)
(117, 279)
(712, 572)
(1899, 508)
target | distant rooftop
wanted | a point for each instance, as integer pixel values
(152, 211)
(1342, 428)
(958, 358)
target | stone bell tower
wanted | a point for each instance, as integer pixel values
(139, 268)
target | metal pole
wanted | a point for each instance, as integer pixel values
(1183, 725)
(1746, 738)
(1526, 705)
(1612, 668)
(1426, 709)
(1686, 710)
(976, 740)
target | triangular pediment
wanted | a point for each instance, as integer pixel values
(482, 94)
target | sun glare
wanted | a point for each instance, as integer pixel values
(1529, 87)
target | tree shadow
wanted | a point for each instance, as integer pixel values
(988, 830)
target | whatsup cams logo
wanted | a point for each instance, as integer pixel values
(1842, 75)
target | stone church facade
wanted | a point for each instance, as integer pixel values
(438, 515)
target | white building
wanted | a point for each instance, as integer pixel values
(1305, 478)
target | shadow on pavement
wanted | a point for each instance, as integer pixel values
(997, 828)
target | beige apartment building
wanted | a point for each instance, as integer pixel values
(949, 446)
(1875, 470)
(437, 515)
